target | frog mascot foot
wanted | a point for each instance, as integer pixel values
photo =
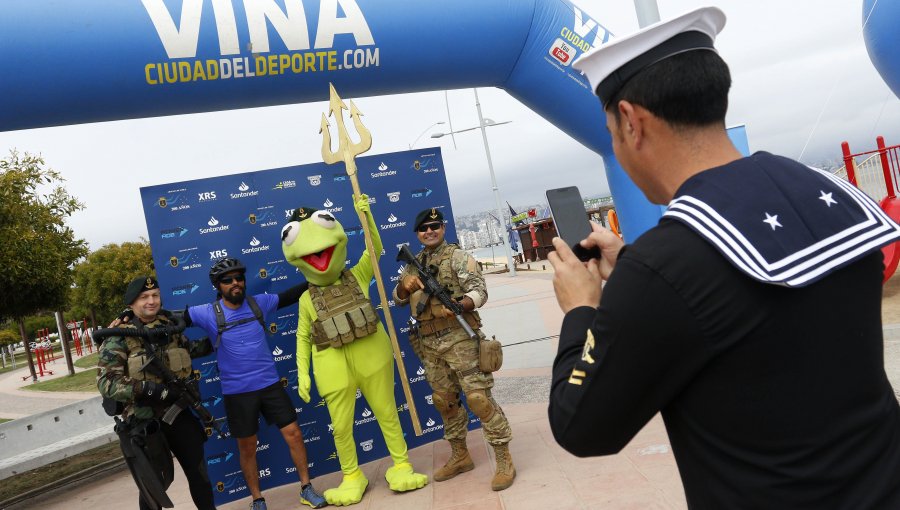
(350, 491)
(402, 478)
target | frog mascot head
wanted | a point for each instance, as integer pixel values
(315, 243)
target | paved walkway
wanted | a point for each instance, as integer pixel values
(18, 403)
(520, 309)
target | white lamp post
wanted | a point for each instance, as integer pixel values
(483, 123)
(423, 132)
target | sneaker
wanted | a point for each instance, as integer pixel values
(258, 504)
(309, 496)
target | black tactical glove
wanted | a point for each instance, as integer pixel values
(158, 392)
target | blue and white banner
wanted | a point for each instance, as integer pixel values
(192, 223)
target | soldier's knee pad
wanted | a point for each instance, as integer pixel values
(446, 403)
(480, 404)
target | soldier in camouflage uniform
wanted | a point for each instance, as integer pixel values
(144, 395)
(449, 354)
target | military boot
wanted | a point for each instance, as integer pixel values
(506, 472)
(459, 461)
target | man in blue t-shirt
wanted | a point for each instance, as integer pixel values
(250, 382)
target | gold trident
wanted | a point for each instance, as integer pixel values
(347, 152)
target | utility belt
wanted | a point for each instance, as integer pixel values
(444, 325)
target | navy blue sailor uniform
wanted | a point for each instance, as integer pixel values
(750, 317)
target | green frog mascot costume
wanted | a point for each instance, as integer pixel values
(340, 331)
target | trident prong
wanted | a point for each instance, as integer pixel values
(324, 130)
(347, 150)
(365, 137)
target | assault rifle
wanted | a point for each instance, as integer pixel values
(433, 288)
(189, 396)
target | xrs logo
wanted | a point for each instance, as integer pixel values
(562, 52)
(206, 196)
(217, 254)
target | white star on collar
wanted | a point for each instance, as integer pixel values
(826, 197)
(772, 221)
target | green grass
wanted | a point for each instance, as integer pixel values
(4, 420)
(41, 477)
(82, 381)
(88, 361)
(85, 362)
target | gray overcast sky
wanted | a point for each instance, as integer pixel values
(792, 62)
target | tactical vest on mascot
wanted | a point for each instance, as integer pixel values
(446, 277)
(173, 356)
(344, 313)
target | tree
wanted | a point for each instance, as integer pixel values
(101, 278)
(38, 248)
(7, 338)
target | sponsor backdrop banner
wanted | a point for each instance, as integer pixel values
(192, 223)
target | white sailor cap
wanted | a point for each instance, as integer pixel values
(610, 66)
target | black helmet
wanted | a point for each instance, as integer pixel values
(223, 266)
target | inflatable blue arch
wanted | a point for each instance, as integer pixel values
(100, 60)
(882, 38)
(97, 60)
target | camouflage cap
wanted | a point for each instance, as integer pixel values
(302, 213)
(138, 285)
(433, 214)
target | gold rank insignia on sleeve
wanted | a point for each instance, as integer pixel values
(588, 347)
(577, 377)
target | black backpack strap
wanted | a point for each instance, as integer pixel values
(257, 312)
(222, 325)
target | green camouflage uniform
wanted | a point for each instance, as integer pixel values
(449, 355)
(114, 380)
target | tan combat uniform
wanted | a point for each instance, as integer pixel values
(449, 355)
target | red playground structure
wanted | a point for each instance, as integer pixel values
(877, 174)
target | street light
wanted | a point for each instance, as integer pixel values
(488, 122)
(483, 123)
(423, 132)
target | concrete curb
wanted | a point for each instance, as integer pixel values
(33, 441)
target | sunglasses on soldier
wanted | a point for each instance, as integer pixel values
(429, 226)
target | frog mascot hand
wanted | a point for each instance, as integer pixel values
(340, 331)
